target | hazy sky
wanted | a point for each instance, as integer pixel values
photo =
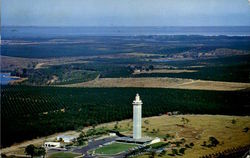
(125, 12)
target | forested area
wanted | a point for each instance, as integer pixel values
(229, 69)
(44, 47)
(28, 112)
(232, 73)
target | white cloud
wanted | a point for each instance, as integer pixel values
(249, 2)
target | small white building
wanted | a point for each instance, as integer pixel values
(112, 134)
(156, 140)
(66, 138)
(52, 145)
(137, 71)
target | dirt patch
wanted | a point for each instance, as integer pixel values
(164, 82)
(213, 85)
(54, 79)
(39, 65)
(19, 80)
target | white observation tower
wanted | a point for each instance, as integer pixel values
(137, 117)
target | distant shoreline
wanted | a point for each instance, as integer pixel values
(122, 26)
(76, 31)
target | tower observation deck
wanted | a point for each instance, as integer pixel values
(137, 105)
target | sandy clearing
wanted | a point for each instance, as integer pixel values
(54, 79)
(19, 80)
(163, 82)
(55, 62)
(214, 85)
(39, 65)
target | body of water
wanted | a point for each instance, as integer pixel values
(21, 32)
(6, 78)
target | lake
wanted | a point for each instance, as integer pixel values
(6, 78)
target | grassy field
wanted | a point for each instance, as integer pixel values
(199, 128)
(162, 82)
(228, 130)
(63, 155)
(114, 148)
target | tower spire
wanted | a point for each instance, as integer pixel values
(137, 100)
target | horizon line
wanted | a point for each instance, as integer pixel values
(125, 26)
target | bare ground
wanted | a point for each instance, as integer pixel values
(14, 82)
(54, 79)
(164, 82)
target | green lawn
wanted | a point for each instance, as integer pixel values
(64, 155)
(114, 148)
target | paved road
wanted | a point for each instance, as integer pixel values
(92, 145)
